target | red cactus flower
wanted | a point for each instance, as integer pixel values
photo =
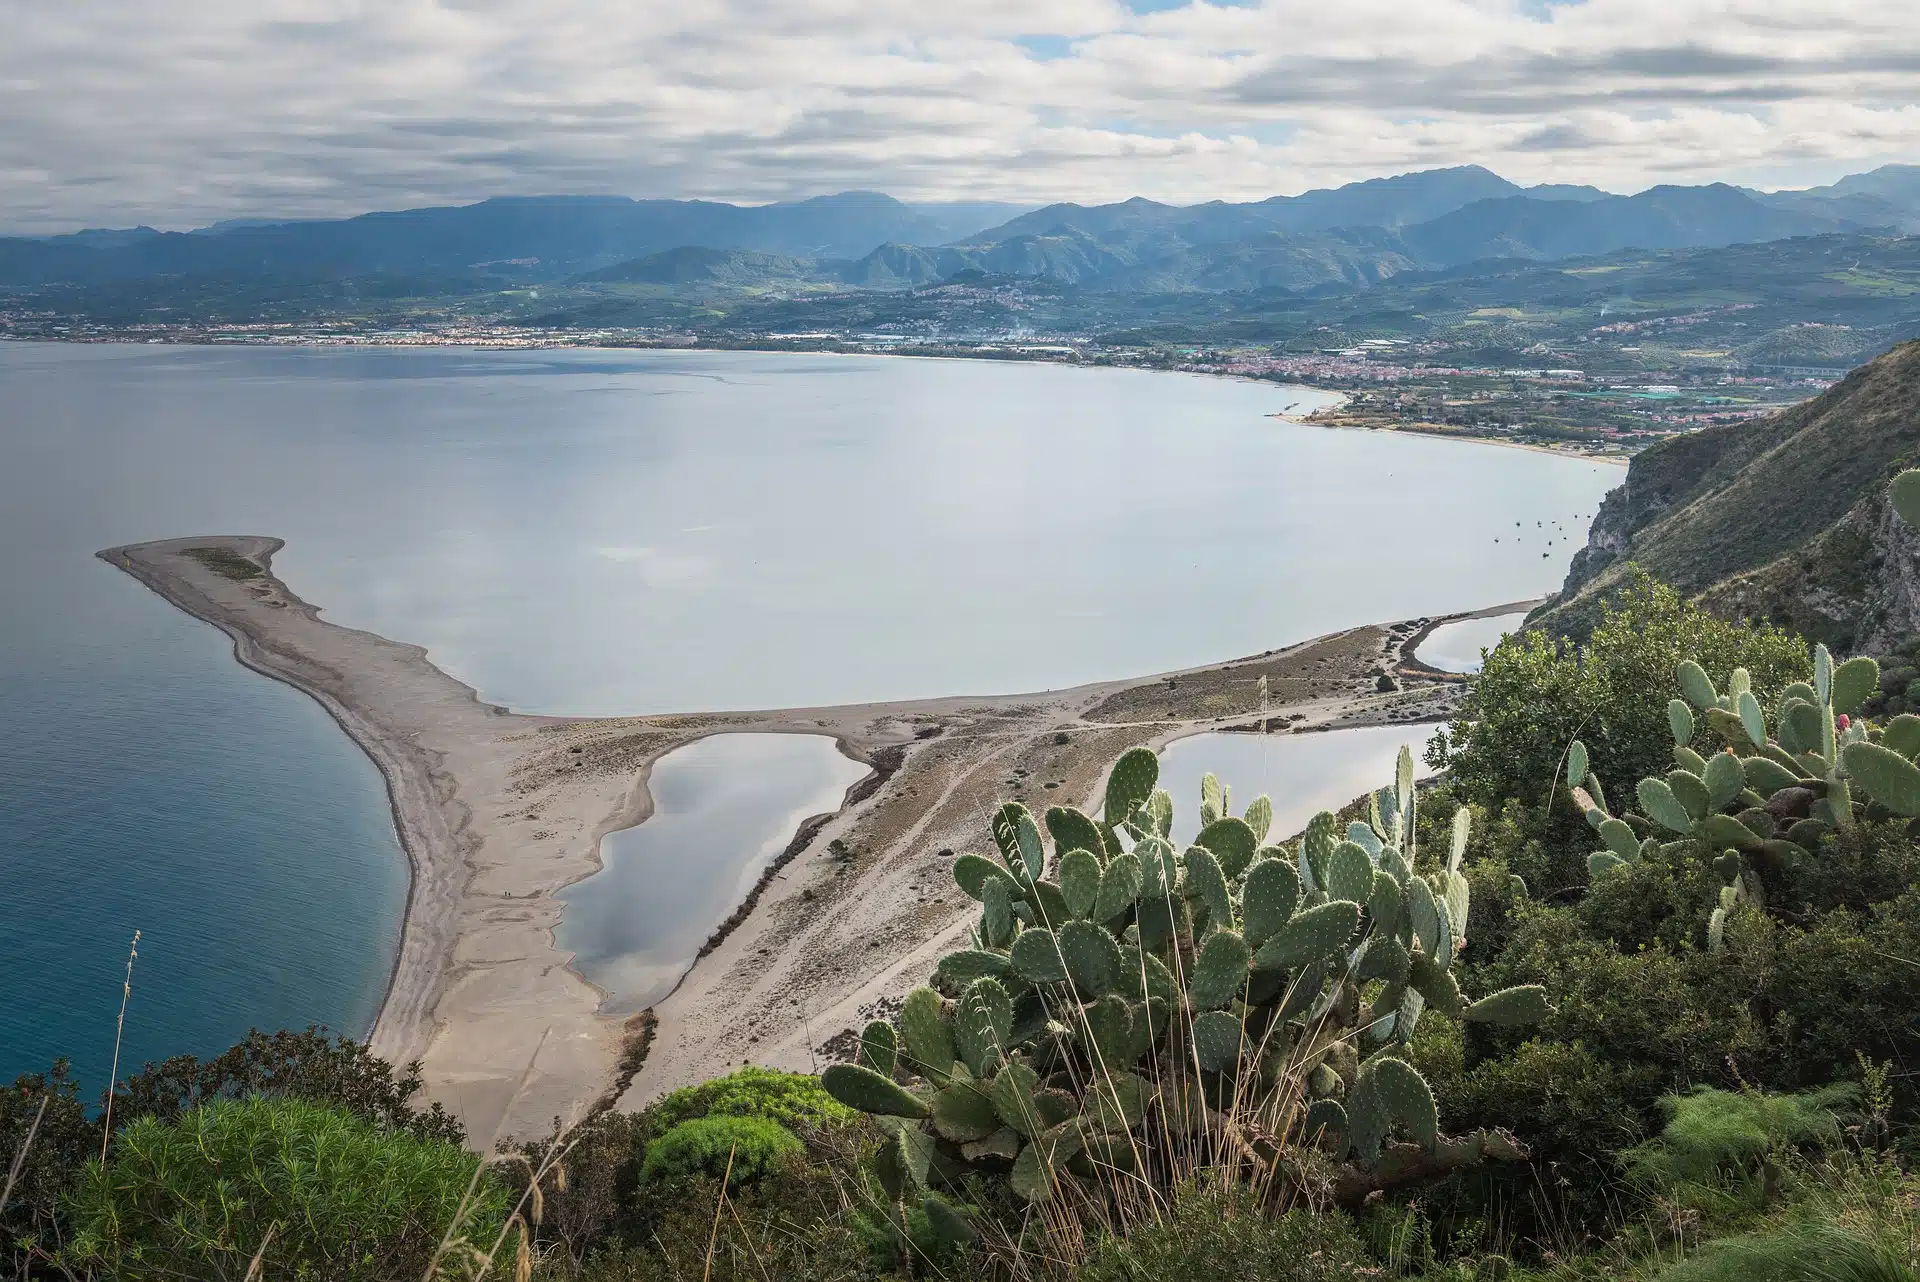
(1841, 721)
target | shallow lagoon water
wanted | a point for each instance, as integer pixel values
(602, 533)
(1301, 773)
(1456, 647)
(724, 808)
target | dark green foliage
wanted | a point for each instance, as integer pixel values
(345, 1199)
(306, 1065)
(62, 1142)
(1716, 1140)
(1215, 1236)
(1815, 1252)
(1535, 696)
(750, 1146)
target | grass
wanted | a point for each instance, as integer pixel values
(227, 563)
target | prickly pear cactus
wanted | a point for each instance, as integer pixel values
(1122, 1001)
(1780, 784)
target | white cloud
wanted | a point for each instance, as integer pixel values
(178, 113)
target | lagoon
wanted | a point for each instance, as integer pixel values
(598, 533)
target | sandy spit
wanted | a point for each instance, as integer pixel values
(498, 810)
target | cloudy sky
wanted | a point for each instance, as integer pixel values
(180, 112)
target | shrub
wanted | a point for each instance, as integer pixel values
(342, 1198)
(63, 1138)
(1813, 1252)
(1215, 1235)
(791, 1099)
(1534, 696)
(1719, 1144)
(751, 1146)
(309, 1065)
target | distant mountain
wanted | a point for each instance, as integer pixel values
(698, 265)
(1783, 517)
(1377, 202)
(1658, 218)
(1565, 191)
(529, 238)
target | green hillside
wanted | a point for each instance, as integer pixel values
(1783, 517)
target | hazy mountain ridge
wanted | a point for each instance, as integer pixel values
(1355, 235)
(1783, 517)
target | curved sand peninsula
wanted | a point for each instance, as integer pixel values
(499, 810)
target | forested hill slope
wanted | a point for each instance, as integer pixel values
(1783, 517)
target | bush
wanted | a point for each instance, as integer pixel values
(751, 1147)
(343, 1199)
(1208, 1234)
(63, 1138)
(1535, 695)
(1718, 1146)
(1796, 1253)
(791, 1099)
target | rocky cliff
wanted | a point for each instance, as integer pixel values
(1783, 517)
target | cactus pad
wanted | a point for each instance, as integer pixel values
(1902, 735)
(963, 1113)
(1690, 790)
(1725, 779)
(859, 1087)
(1406, 1097)
(1680, 721)
(1767, 776)
(1423, 911)
(1350, 873)
(1091, 957)
(1385, 958)
(1119, 887)
(1511, 1007)
(1130, 783)
(1602, 862)
(1322, 836)
(1072, 830)
(971, 873)
(1206, 883)
(957, 970)
(1219, 971)
(925, 1036)
(879, 1048)
(1232, 842)
(1259, 816)
(1697, 686)
(1620, 838)
(1216, 1040)
(1268, 898)
(996, 914)
(1079, 881)
(1326, 1125)
(1661, 806)
(1012, 1093)
(1037, 959)
(1853, 682)
(1576, 762)
(1884, 775)
(1018, 838)
(1108, 1026)
(982, 1024)
(1309, 936)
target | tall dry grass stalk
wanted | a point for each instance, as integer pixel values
(119, 1030)
(454, 1239)
(20, 1154)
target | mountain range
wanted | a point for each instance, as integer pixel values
(1341, 237)
(1784, 518)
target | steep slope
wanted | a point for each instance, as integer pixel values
(1782, 517)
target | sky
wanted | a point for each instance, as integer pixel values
(177, 113)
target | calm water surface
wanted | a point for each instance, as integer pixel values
(724, 808)
(1302, 773)
(598, 532)
(1457, 647)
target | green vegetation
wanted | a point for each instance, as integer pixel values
(226, 563)
(313, 1192)
(1526, 1022)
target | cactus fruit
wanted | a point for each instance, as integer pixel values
(1309, 936)
(1219, 971)
(859, 1087)
(1511, 1007)
(879, 1047)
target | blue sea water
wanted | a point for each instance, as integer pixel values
(610, 532)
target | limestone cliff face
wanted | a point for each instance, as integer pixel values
(1783, 517)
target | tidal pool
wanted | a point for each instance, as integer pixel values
(724, 807)
(1302, 773)
(1456, 647)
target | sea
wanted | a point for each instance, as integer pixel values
(612, 532)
